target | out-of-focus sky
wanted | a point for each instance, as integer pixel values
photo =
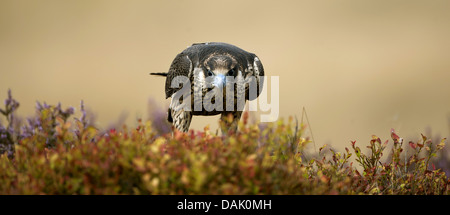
(358, 67)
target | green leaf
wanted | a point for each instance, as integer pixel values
(320, 149)
(358, 152)
(441, 144)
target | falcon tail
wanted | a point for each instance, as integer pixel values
(159, 73)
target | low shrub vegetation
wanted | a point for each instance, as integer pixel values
(57, 153)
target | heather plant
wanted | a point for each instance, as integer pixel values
(158, 116)
(57, 153)
(8, 134)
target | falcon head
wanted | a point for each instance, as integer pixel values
(218, 69)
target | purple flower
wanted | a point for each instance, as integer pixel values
(70, 110)
(38, 106)
(83, 117)
(158, 116)
(9, 100)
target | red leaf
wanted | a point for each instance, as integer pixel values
(413, 145)
(394, 135)
(385, 143)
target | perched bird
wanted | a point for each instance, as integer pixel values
(209, 79)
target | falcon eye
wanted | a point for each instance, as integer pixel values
(209, 73)
(232, 72)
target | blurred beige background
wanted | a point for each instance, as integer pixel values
(359, 67)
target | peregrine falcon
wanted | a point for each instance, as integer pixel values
(210, 79)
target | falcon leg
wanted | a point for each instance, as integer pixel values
(181, 119)
(230, 121)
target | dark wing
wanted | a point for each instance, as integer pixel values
(181, 66)
(255, 75)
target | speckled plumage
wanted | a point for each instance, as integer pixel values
(200, 63)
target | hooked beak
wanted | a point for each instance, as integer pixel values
(219, 80)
